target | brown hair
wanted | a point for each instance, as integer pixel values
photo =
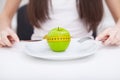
(91, 11)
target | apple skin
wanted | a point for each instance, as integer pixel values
(58, 39)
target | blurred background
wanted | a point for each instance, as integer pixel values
(14, 24)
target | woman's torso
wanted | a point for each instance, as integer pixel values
(64, 14)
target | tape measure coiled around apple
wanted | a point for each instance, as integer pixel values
(59, 38)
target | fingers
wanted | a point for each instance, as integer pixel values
(1, 46)
(8, 38)
(109, 40)
(116, 40)
(13, 36)
(109, 37)
(117, 43)
(103, 36)
(6, 41)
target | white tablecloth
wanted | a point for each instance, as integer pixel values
(16, 65)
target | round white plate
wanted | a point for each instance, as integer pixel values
(75, 50)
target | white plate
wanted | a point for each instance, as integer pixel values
(75, 50)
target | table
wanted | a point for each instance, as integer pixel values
(16, 65)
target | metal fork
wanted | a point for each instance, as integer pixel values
(85, 38)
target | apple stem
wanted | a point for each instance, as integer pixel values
(58, 28)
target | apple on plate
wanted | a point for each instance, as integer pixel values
(58, 39)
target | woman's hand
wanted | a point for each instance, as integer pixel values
(110, 36)
(7, 36)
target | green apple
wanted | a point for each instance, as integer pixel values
(58, 39)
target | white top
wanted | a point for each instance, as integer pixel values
(63, 13)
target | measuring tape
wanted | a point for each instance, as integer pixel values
(59, 38)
